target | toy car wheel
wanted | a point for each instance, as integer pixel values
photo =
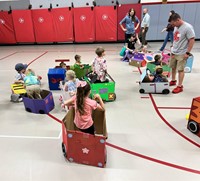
(41, 112)
(114, 96)
(141, 91)
(193, 126)
(165, 91)
(64, 150)
(28, 109)
(187, 69)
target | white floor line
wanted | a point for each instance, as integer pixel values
(60, 134)
(31, 137)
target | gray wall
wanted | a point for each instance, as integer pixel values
(21, 4)
(160, 14)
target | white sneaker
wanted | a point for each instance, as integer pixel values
(20, 99)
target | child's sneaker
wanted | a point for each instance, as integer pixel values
(178, 89)
(172, 82)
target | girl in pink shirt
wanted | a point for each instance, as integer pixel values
(84, 107)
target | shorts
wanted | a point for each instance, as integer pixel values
(178, 62)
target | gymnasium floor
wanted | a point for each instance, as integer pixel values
(147, 135)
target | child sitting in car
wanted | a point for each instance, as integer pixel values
(99, 66)
(156, 77)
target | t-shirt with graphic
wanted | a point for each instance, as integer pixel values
(84, 121)
(181, 36)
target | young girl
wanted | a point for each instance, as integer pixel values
(130, 47)
(32, 84)
(84, 107)
(99, 65)
(71, 84)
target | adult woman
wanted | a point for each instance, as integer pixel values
(169, 30)
(130, 20)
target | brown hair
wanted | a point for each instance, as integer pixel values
(157, 58)
(99, 51)
(82, 92)
(132, 17)
(77, 57)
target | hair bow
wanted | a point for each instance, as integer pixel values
(81, 84)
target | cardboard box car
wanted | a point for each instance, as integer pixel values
(138, 60)
(82, 147)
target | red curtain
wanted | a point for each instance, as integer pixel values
(23, 25)
(7, 34)
(84, 25)
(43, 25)
(122, 12)
(63, 24)
(106, 23)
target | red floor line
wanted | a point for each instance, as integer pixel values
(168, 124)
(173, 107)
(144, 97)
(53, 117)
(37, 58)
(140, 155)
(8, 55)
(147, 157)
(139, 70)
(154, 160)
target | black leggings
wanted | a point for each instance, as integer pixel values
(89, 130)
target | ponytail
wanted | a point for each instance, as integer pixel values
(82, 92)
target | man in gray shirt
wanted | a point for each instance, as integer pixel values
(184, 38)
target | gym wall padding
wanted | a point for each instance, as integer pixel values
(7, 33)
(63, 24)
(122, 12)
(84, 25)
(23, 25)
(43, 26)
(106, 23)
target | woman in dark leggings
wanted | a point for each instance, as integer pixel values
(170, 30)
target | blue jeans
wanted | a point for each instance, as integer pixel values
(169, 36)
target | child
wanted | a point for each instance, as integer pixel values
(19, 79)
(130, 47)
(158, 60)
(158, 77)
(84, 107)
(71, 84)
(63, 65)
(32, 84)
(78, 61)
(20, 68)
(99, 66)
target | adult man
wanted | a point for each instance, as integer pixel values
(144, 27)
(183, 42)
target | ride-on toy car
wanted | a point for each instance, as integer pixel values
(105, 90)
(82, 147)
(153, 87)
